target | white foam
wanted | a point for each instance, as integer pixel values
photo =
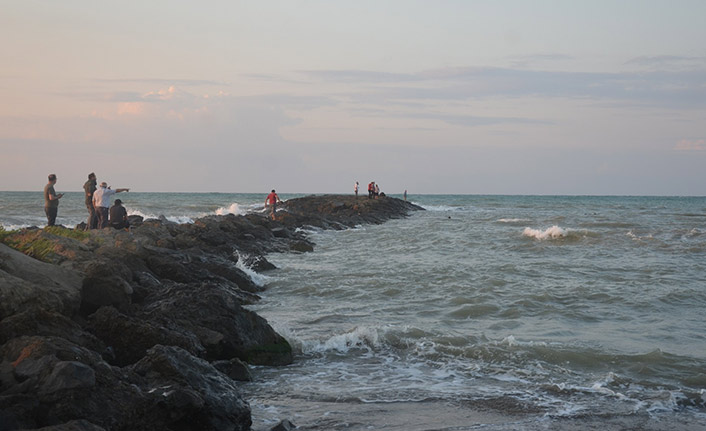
(181, 219)
(553, 232)
(234, 208)
(512, 220)
(359, 337)
(257, 278)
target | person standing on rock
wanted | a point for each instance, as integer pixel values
(272, 200)
(355, 189)
(90, 187)
(51, 200)
(405, 194)
(371, 189)
(101, 202)
(377, 190)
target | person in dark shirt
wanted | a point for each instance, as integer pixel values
(89, 187)
(118, 216)
(51, 200)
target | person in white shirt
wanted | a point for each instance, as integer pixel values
(101, 201)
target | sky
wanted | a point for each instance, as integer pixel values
(468, 97)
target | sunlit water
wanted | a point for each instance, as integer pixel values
(550, 308)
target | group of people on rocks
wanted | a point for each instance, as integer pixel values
(373, 190)
(97, 198)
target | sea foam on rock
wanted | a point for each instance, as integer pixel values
(145, 329)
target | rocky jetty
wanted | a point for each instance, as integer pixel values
(146, 329)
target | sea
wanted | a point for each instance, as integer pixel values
(481, 312)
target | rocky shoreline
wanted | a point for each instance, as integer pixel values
(145, 329)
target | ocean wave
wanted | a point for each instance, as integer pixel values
(181, 219)
(553, 232)
(234, 208)
(260, 280)
(513, 220)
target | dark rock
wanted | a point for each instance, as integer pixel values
(27, 282)
(196, 395)
(235, 369)
(68, 375)
(284, 425)
(301, 247)
(258, 263)
(106, 283)
(131, 337)
(77, 425)
(34, 321)
(213, 313)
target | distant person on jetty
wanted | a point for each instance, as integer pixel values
(272, 200)
(118, 216)
(51, 200)
(405, 194)
(371, 189)
(101, 201)
(377, 190)
(355, 189)
(90, 187)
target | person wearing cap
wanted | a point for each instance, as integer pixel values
(101, 202)
(118, 216)
(90, 187)
(51, 200)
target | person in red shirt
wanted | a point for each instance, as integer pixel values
(271, 201)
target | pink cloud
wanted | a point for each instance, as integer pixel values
(691, 145)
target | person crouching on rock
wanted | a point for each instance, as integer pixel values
(118, 216)
(272, 200)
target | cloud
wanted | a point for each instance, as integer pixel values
(691, 145)
(668, 62)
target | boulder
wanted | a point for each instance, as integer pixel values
(106, 283)
(26, 282)
(213, 313)
(130, 337)
(196, 395)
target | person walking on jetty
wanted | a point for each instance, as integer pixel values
(101, 201)
(51, 200)
(355, 189)
(118, 216)
(371, 189)
(272, 200)
(90, 187)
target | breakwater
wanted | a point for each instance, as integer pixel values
(145, 329)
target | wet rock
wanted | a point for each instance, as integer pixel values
(235, 369)
(195, 393)
(301, 247)
(285, 425)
